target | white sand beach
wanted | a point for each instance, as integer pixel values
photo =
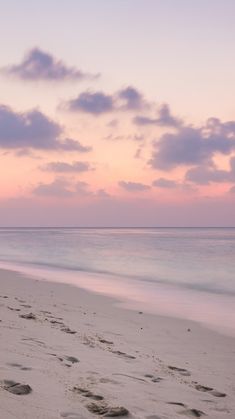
(79, 355)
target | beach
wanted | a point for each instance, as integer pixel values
(69, 353)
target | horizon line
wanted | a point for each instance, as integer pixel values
(111, 227)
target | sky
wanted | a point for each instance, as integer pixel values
(117, 113)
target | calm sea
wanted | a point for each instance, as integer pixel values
(181, 272)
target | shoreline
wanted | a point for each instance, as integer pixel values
(149, 364)
(170, 301)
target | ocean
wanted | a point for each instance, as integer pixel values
(187, 273)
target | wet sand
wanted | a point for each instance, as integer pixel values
(68, 353)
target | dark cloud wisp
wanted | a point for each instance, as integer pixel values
(95, 103)
(64, 167)
(204, 175)
(164, 118)
(132, 98)
(133, 186)
(165, 183)
(33, 130)
(40, 65)
(60, 187)
(192, 146)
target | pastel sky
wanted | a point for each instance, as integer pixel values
(117, 113)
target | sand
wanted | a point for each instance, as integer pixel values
(68, 353)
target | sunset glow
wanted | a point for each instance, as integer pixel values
(106, 124)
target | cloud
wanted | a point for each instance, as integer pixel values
(74, 145)
(204, 175)
(170, 184)
(40, 65)
(165, 183)
(97, 103)
(25, 152)
(94, 103)
(133, 186)
(193, 146)
(132, 98)
(164, 118)
(112, 137)
(60, 187)
(81, 188)
(138, 153)
(64, 167)
(232, 189)
(113, 123)
(134, 137)
(33, 130)
(101, 193)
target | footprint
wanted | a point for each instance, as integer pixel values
(34, 341)
(218, 393)
(70, 415)
(107, 411)
(87, 393)
(72, 359)
(209, 390)
(181, 371)
(56, 322)
(108, 342)
(16, 388)
(21, 367)
(105, 380)
(195, 413)
(130, 376)
(66, 329)
(153, 379)
(123, 354)
(14, 364)
(177, 403)
(29, 316)
(65, 359)
(13, 308)
(20, 301)
(88, 341)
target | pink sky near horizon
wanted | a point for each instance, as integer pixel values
(143, 151)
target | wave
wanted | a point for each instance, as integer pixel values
(193, 286)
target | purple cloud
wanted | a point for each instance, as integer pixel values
(97, 103)
(64, 167)
(113, 123)
(133, 186)
(192, 146)
(60, 187)
(169, 184)
(33, 130)
(164, 118)
(74, 145)
(40, 65)
(132, 98)
(165, 183)
(94, 103)
(81, 188)
(204, 175)
(101, 193)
